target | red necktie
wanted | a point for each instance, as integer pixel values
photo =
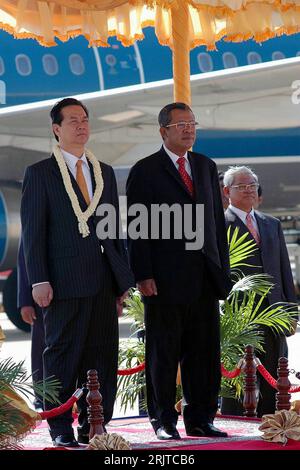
(185, 176)
(252, 229)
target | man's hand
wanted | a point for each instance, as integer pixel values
(147, 287)
(42, 294)
(28, 314)
(120, 301)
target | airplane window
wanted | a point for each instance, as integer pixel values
(229, 60)
(278, 55)
(76, 64)
(298, 54)
(205, 62)
(2, 67)
(50, 64)
(23, 64)
(254, 58)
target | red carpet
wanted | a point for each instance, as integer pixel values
(243, 434)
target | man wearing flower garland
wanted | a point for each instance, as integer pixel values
(76, 277)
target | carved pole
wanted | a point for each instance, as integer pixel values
(94, 400)
(250, 401)
(283, 397)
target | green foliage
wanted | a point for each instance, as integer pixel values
(14, 376)
(131, 353)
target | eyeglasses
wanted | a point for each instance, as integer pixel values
(182, 125)
(246, 187)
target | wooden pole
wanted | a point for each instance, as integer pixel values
(94, 400)
(283, 397)
(250, 400)
(181, 51)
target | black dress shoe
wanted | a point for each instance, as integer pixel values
(65, 440)
(167, 432)
(84, 438)
(205, 430)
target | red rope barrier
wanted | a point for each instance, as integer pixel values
(62, 408)
(132, 371)
(271, 381)
(230, 374)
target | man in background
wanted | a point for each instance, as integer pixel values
(32, 314)
(271, 257)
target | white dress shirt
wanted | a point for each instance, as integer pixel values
(71, 161)
(174, 159)
(242, 215)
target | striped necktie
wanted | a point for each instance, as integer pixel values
(252, 229)
(185, 176)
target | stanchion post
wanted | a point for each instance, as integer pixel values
(283, 397)
(250, 401)
(94, 400)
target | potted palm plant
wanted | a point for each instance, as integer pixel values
(240, 322)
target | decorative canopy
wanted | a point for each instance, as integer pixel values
(179, 24)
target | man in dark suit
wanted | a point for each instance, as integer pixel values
(241, 186)
(76, 273)
(180, 285)
(32, 314)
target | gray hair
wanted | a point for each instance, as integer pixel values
(231, 173)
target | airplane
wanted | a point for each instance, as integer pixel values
(245, 97)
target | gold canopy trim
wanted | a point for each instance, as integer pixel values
(97, 20)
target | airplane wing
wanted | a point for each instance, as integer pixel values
(124, 120)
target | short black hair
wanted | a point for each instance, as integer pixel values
(164, 117)
(221, 176)
(56, 115)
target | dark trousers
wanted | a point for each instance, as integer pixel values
(187, 334)
(82, 334)
(275, 346)
(37, 347)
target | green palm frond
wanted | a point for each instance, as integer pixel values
(12, 423)
(134, 309)
(239, 248)
(130, 387)
(15, 375)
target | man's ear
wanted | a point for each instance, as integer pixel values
(226, 191)
(56, 129)
(162, 131)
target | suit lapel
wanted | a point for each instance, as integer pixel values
(172, 170)
(262, 224)
(92, 176)
(198, 179)
(56, 171)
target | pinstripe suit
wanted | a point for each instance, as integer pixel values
(81, 322)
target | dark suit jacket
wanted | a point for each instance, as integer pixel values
(24, 288)
(274, 255)
(178, 272)
(54, 249)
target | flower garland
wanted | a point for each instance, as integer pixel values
(82, 217)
